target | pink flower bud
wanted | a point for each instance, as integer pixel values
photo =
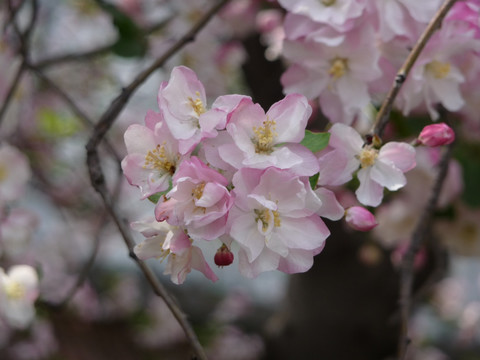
(223, 256)
(359, 218)
(436, 135)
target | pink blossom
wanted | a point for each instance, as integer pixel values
(199, 201)
(274, 221)
(335, 13)
(436, 135)
(14, 173)
(172, 243)
(437, 75)
(379, 168)
(183, 103)
(261, 140)
(359, 218)
(153, 155)
(338, 73)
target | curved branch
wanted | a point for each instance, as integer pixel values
(98, 180)
(383, 114)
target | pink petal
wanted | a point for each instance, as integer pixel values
(369, 192)
(402, 155)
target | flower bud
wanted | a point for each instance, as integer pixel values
(436, 135)
(223, 256)
(359, 218)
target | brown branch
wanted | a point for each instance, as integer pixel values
(383, 114)
(11, 90)
(418, 236)
(24, 38)
(98, 180)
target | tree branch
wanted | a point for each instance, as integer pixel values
(383, 114)
(418, 236)
(98, 180)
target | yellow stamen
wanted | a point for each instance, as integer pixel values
(367, 157)
(264, 137)
(14, 290)
(156, 159)
(265, 217)
(339, 67)
(328, 2)
(197, 104)
(439, 69)
(197, 191)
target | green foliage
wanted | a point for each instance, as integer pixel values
(155, 197)
(132, 40)
(55, 124)
(468, 154)
(315, 141)
(314, 180)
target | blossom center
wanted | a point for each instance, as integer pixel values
(264, 137)
(367, 157)
(14, 290)
(266, 216)
(328, 2)
(157, 159)
(338, 68)
(197, 104)
(439, 69)
(197, 191)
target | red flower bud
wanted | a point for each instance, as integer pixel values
(223, 256)
(436, 135)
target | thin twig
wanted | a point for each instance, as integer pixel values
(407, 270)
(11, 90)
(383, 114)
(98, 180)
(89, 54)
(24, 39)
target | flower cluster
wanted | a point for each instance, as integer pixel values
(228, 171)
(346, 54)
(232, 174)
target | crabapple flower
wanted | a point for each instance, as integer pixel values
(338, 74)
(153, 155)
(379, 168)
(335, 13)
(18, 292)
(199, 201)
(16, 232)
(183, 102)
(164, 241)
(436, 135)
(261, 140)
(359, 218)
(14, 173)
(274, 221)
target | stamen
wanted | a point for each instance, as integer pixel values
(439, 69)
(339, 67)
(197, 104)
(264, 137)
(14, 290)
(156, 159)
(367, 157)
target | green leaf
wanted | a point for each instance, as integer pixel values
(155, 197)
(315, 141)
(314, 180)
(132, 40)
(56, 124)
